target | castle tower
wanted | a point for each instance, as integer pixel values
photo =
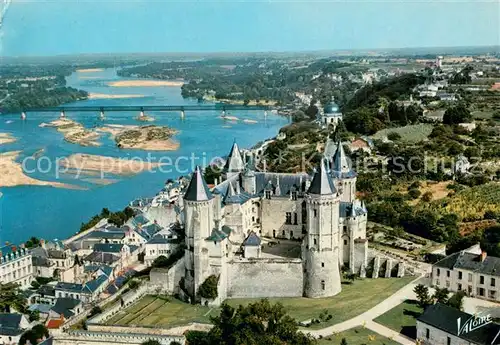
(234, 164)
(199, 222)
(357, 244)
(248, 178)
(320, 245)
(342, 170)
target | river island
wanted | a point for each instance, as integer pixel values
(6, 138)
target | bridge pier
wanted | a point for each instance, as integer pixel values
(141, 114)
(23, 115)
(63, 114)
(183, 114)
(265, 113)
(101, 115)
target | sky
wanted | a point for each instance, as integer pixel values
(54, 27)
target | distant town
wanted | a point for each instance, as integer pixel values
(371, 218)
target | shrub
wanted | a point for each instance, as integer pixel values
(414, 193)
(208, 289)
(427, 196)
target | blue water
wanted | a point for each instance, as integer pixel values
(49, 212)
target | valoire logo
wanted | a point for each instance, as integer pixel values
(473, 323)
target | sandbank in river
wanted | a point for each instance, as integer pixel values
(94, 95)
(6, 138)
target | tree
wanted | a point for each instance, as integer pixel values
(259, 323)
(394, 136)
(427, 196)
(441, 295)
(34, 335)
(423, 297)
(209, 289)
(160, 262)
(11, 297)
(456, 115)
(456, 301)
(343, 342)
(414, 193)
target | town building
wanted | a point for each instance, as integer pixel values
(444, 325)
(16, 266)
(477, 275)
(331, 115)
(52, 260)
(12, 327)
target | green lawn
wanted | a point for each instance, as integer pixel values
(354, 299)
(402, 318)
(162, 311)
(357, 336)
(411, 133)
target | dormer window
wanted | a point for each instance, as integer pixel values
(268, 194)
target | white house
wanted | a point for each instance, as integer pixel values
(16, 266)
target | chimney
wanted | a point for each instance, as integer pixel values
(482, 257)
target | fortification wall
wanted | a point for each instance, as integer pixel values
(97, 338)
(256, 278)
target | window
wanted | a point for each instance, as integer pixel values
(345, 228)
(314, 241)
(284, 234)
(345, 242)
(492, 282)
(459, 275)
(295, 218)
(315, 213)
(268, 194)
(448, 341)
(427, 333)
(470, 277)
(294, 195)
(469, 289)
(448, 273)
(447, 283)
(492, 294)
(288, 219)
(323, 285)
(481, 279)
(459, 287)
(437, 282)
(480, 291)
(322, 264)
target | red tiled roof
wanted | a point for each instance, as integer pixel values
(55, 323)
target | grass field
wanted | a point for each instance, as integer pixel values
(357, 336)
(161, 311)
(354, 299)
(412, 133)
(402, 318)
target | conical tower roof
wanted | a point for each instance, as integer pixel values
(322, 183)
(341, 163)
(234, 161)
(197, 189)
(250, 167)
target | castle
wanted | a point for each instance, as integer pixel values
(226, 226)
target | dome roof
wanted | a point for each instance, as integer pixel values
(331, 107)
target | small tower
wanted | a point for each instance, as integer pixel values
(234, 164)
(199, 220)
(343, 172)
(248, 178)
(320, 245)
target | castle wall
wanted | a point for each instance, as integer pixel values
(273, 217)
(167, 281)
(258, 278)
(164, 215)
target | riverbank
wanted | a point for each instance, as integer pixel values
(85, 164)
(74, 132)
(149, 138)
(13, 175)
(6, 138)
(143, 83)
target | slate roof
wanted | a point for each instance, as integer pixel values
(471, 262)
(287, 182)
(252, 240)
(108, 247)
(107, 235)
(94, 284)
(197, 189)
(331, 108)
(445, 318)
(47, 290)
(163, 240)
(71, 287)
(346, 209)
(103, 258)
(41, 307)
(40, 261)
(64, 306)
(10, 324)
(219, 235)
(322, 183)
(341, 165)
(234, 161)
(233, 197)
(106, 270)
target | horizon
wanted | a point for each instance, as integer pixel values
(34, 29)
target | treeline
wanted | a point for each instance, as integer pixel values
(117, 218)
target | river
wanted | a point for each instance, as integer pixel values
(48, 212)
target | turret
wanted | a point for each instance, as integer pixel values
(199, 222)
(320, 245)
(234, 164)
(248, 178)
(343, 172)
